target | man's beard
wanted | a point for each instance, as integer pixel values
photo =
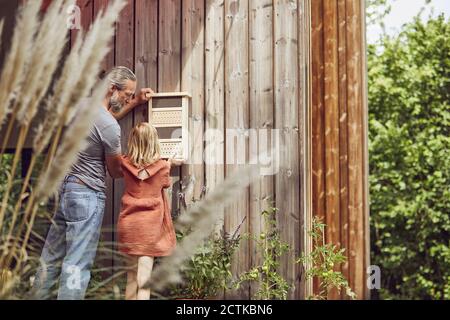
(115, 104)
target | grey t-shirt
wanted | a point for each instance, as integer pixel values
(103, 140)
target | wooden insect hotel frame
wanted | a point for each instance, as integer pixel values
(170, 114)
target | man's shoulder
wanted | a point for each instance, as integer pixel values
(105, 120)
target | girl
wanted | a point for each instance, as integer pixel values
(145, 225)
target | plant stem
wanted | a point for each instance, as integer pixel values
(30, 203)
(21, 141)
(17, 207)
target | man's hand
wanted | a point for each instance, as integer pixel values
(142, 97)
(138, 100)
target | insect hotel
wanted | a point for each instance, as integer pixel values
(169, 113)
(295, 69)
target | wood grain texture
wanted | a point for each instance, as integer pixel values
(331, 110)
(343, 132)
(214, 135)
(304, 124)
(169, 71)
(237, 121)
(146, 50)
(109, 60)
(339, 139)
(192, 81)
(262, 137)
(355, 150)
(286, 120)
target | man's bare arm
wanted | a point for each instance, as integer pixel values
(141, 98)
(114, 166)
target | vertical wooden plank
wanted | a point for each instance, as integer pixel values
(343, 135)
(287, 117)
(214, 93)
(304, 47)
(261, 115)
(237, 120)
(86, 8)
(108, 62)
(331, 126)
(317, 115)
(146, 50)
(192, 81)
(169, 69)
(169, 73)
(365, 146)
(124, 52)
(214, 98)
(355, 150)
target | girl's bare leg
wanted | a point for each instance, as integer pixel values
(132, 285)
(144, 272)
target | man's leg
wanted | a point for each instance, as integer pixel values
(84, 214)
(51, 257)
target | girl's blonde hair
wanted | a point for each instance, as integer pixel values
(143, 145)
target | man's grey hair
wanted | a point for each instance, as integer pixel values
(118, 76)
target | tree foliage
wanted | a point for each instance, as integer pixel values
(409, 86)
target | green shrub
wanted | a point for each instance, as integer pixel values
(409, 86)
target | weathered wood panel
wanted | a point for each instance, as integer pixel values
(214, 134)
(169, 72)
(261, 139)
(317, 113)
(304, 125)
(343, 131)
(109, 60)
(237, 121)
(286, 120)
(192, 81)
(331, 105)
(339, 115)
(355, 148)
(146, 50)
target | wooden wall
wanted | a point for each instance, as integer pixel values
(339, 131)
(247, 65)
(294, 65)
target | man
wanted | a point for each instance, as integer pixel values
(71, 243)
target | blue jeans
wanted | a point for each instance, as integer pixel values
(71, 243)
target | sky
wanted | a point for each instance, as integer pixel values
(403, 11)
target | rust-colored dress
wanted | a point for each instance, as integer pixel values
(145, 225)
